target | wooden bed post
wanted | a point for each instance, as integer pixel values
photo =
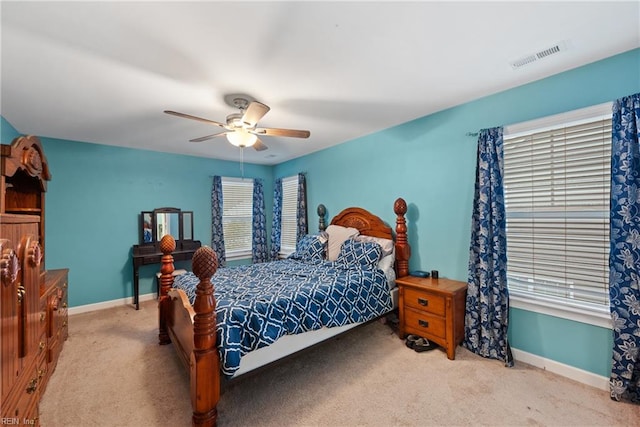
(167, 246)
(205, 389)
(403, 250)
(322, 211)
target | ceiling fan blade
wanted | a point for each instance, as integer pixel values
(255, 111)
(259, 146)
(293, 133)
(188, 116)
(205, 138)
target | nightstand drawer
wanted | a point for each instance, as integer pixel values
(424, 301)
(422, 323)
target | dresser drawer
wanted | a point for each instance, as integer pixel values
(43, 370)
(23, 402)
(424, 301)
(423, 324)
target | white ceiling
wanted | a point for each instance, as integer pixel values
(103, 72)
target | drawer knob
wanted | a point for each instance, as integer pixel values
(423, 301)
(423, 323)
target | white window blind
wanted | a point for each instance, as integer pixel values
(288, 235)
(556, 183)
(237, 215)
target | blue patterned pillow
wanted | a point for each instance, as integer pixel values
(310, 248)
(359, 254)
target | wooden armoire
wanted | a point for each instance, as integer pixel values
(33, 300)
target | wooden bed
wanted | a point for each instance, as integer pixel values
(192, 329)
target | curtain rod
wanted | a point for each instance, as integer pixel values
(233, 177)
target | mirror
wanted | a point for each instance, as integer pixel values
(187, 225)
(147, 233)
(162, 221)
(167, 223)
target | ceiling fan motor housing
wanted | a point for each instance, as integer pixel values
(235, 120)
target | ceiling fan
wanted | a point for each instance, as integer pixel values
(241, 128)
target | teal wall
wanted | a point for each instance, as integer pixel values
(430, 162)
(7, 132)
(93, 204)
(573, 343)
(98, 191)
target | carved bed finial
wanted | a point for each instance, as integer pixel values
(167, 244)
(205, 263)
(322, 211)
(400, 206)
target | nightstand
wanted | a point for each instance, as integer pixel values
(433, 309)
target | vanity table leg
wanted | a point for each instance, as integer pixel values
(136, 287)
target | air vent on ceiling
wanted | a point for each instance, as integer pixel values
(530, 59)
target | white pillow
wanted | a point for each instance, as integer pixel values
(387, 245)
(337, 236)
(386, 262)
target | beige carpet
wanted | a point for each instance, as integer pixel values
(112, 372)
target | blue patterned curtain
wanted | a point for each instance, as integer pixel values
(217, 235)
(624, 255)
(276, 226)
(259, 250)
(301, 212)
(487, 307)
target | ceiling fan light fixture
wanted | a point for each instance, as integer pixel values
(241, 138)
(241, 128)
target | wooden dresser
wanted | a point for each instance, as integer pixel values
(433, 309)
(33, 301)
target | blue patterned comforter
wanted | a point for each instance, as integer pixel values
(259, 303)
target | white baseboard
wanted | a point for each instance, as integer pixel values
(109, 304)
(571, 372)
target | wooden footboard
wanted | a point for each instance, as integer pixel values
(192, 330)
(179, 320)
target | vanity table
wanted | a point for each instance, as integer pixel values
(153, 226)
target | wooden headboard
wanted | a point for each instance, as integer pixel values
(371, 225)
(366, 222)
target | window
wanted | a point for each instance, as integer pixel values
(237, 216)
(556, 181)
(288, 235)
